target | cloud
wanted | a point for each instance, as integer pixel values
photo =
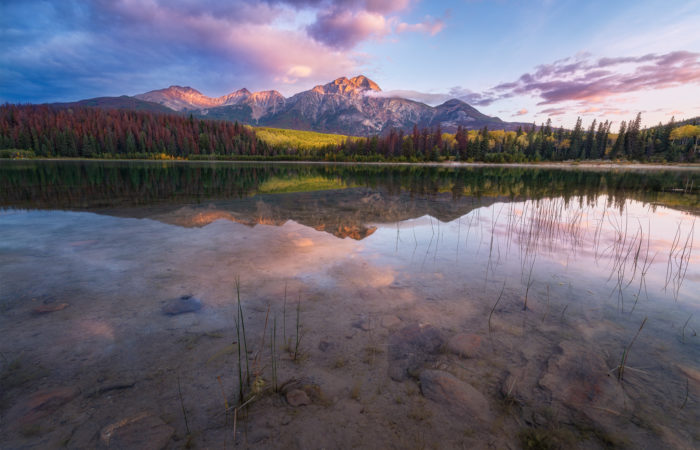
(342, 28)
(554, 111)
(423, 97)
(521, 112)
(61, 51)
(587, 81)
(427, 26)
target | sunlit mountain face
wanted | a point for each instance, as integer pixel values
(350, 106)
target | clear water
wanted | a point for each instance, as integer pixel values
(548, 273)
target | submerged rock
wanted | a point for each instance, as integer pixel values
(464, 345)
(362, 324)
(49, 308)
(411, 347)
(325, 346)
(143, 431)
(181, 305)
(297, 397)
(390, 321)
(579, 377)
(41, 404)
(459, 397)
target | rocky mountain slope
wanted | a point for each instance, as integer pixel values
(351, 106)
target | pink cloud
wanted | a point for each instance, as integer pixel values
(584, 80)
(554, 111)
(522, 112)
(342, 28)
(256, 45)
(429, 26)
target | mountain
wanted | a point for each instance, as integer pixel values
(123, 102)
(185, 98)
(351, 106)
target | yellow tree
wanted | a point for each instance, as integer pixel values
(685, 134)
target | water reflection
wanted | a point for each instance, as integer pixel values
(535, 280)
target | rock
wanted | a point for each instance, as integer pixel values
(41, 404)
(459, 397)
(143, 432)
(464, 345)
(411, 347)
(578, 377)
(49, 308)
(297, 397)
(362, 324)
(324, 346)
(390, 321)
(690, 372)
(181, 305)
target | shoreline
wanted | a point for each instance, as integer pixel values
(451, 164)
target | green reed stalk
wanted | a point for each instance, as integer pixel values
(626, 352)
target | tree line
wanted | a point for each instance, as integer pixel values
(47, 131)
(91, 132)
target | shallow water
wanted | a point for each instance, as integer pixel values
(535, 281)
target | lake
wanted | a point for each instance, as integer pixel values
(221, 305)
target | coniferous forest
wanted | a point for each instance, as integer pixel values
(47, 131)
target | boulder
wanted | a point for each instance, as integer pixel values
(459, 397)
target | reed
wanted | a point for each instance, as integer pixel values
(298, 328)
(284, 318)
(242, 350)
(626, 352)
(529, 282)
(273, 352)
(683, 329)
(182, 405)
(496, 304)
(687, 390)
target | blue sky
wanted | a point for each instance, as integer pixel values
(519, 60)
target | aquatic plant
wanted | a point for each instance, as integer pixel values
(626, 352)
(182, 405)
(298, 328)
(496, 304)
(273, 350)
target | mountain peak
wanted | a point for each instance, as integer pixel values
(353, 86)
(364, 82)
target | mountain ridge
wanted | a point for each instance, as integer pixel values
(347, 106)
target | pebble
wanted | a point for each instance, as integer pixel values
(181, 305)
(143, 432)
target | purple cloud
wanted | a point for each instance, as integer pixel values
(62, 51)
(343, 28)
(586, 81)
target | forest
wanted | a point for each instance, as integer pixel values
(47, 131)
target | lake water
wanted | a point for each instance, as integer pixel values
(410, 307)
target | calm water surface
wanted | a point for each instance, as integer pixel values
(566, 302)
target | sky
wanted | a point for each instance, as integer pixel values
(519, 60)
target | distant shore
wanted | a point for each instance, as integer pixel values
(545, 164)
